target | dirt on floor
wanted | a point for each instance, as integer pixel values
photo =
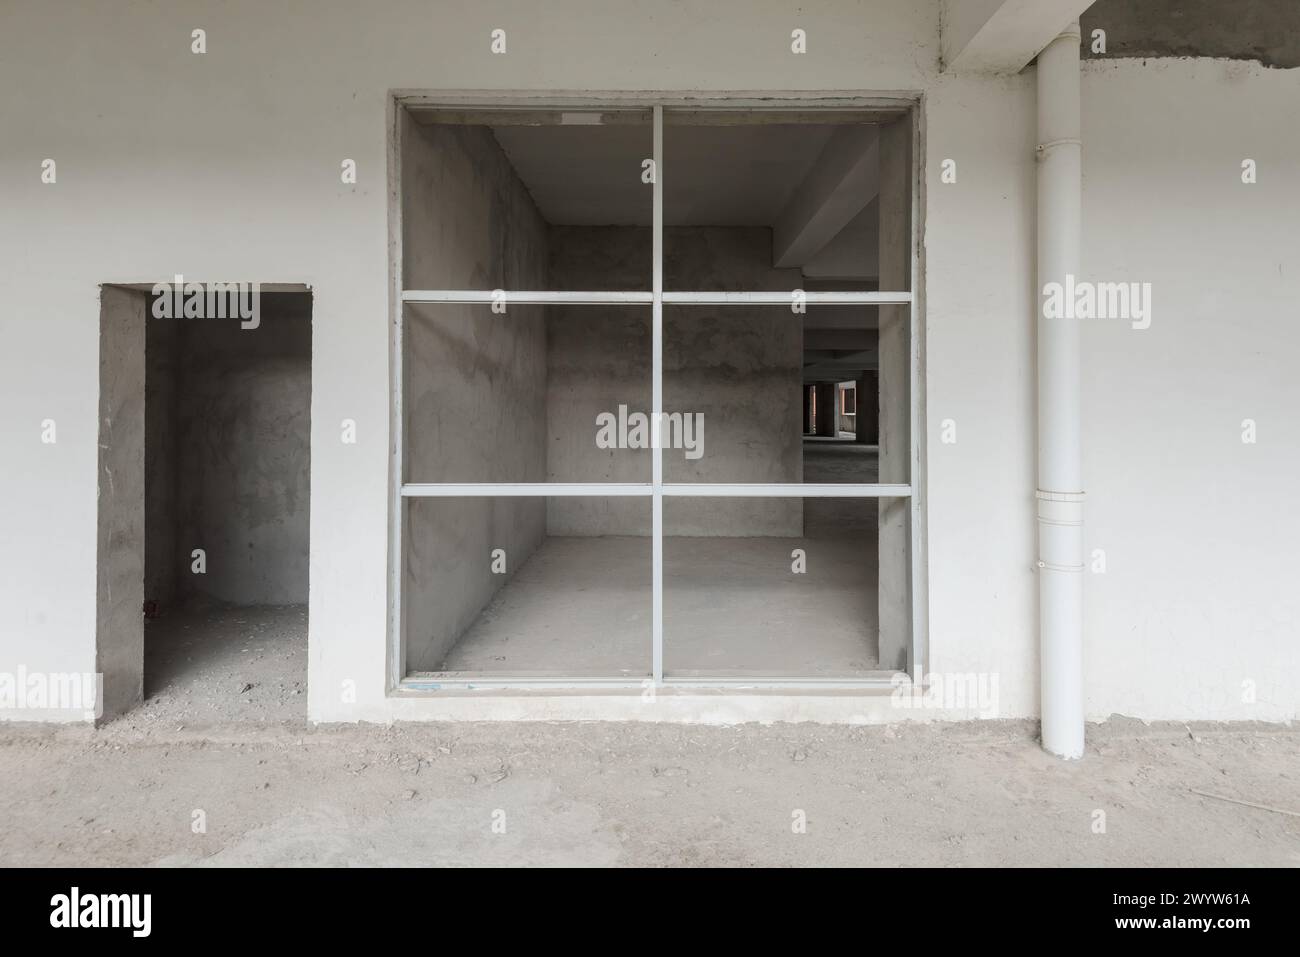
(210, 662)
(149, 790)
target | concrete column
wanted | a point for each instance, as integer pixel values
(895, 403)
(827, 414)
(868, 421)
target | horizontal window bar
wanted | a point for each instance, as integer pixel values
(459, 681)
(524, 297)
(880, 681)
(756, 297)
(602, 490)
(423, 683)
(786, 298)
(799, 490)
(521, 489)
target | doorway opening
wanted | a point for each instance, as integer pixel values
(205, 500)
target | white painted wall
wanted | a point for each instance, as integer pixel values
(1202, 588)
(226, 166)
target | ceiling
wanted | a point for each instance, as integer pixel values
(737, 175)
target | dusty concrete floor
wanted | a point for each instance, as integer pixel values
(581, 606)
(272, 790)
(209, 662)
(603, 794)
(834, 460)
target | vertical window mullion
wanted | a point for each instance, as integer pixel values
(656, 410)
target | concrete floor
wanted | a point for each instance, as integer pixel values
(276, 791)
(603, 794)
(211, 662)
(827, 460)
(732, 606)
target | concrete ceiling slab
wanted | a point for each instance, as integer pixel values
(734, 175)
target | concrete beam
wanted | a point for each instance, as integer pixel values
(852, 254)
(838, 366)
(1001, 36)
(822, 339)
(839, 186)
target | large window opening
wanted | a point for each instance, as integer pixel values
(656, 393)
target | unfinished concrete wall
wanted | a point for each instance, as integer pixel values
(739, 366)
(229, 460)
(119, 624)
(894, 401)
(474, 381)
(162, 558)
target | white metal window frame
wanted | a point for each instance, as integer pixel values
(399, 680)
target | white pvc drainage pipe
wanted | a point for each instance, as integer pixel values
(1060, 466)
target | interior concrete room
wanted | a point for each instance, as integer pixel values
(227, 456)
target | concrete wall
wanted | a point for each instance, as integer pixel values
(229, 463)
(119, 627)
(475, 381)
(1197, 613)
(1198, 594)
(738, 366)
(164, 561)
